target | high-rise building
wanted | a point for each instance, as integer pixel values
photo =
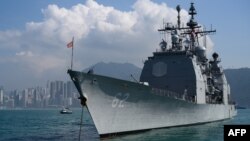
(10, 103)
(17, 98)
(37, 97)
(65, 94)
(52, 90)
(59, 93)
(69, 88)
(1, 96)
(56, 92)
(25, 94)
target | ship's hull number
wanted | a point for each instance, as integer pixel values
(119, 99)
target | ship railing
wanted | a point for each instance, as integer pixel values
(175, 95)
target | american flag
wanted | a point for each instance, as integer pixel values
(70, 44)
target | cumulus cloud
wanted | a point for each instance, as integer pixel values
(40, 63)
(102, 33)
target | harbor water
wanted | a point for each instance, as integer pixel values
(50, 125)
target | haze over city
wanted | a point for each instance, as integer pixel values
(34, 34)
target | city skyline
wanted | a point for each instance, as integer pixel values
(54, 94)
(34, 34)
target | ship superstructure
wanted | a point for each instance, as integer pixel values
(178, 86)
(184, 61)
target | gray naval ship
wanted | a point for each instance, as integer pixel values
(178, 86)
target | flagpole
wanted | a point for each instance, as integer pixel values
(72, 53)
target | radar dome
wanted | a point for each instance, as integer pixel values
(200, 51)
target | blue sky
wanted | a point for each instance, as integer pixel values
(34, 34)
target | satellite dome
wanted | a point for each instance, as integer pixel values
(200, 48)
(200, 51)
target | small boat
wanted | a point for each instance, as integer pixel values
(66, 111)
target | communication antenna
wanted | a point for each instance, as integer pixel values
(178, 8)
(134, 78)
(205, 39)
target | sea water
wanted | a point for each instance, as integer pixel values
(50, 125)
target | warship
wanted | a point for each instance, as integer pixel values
(178, 86)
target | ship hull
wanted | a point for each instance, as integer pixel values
(118, 106)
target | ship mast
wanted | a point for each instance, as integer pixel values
(193, 25)
(192, 29)
(178, 8)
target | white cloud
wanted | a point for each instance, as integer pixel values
(102, 33)
(25, 53)
(40, 63)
